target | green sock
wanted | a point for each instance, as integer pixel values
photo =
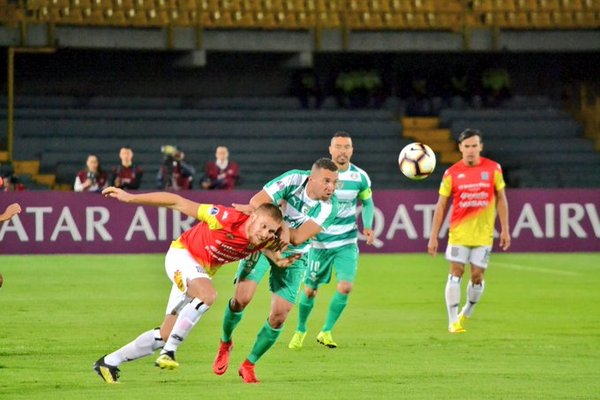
(266, 338)
(305, 307)
(230, 321)
(337, 305)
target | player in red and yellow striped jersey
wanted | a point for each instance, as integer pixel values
(477, 186)
(222, 236)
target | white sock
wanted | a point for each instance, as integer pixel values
(188, 317)
(452, 298)
(142, 346)
(474, 293)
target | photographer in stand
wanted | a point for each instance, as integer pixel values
(93, 178)
(174, 174)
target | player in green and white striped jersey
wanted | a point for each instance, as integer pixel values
(309, 206)
(337, 245)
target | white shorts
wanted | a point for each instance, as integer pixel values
(477, 256)
(180, 267)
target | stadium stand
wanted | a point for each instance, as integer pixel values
(46, 126)
(266, 136)
(537, 147)
(537, 144)
(451, 15)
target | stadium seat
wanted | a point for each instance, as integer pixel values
(542, 20)
(527, 5)
(63, 135)
(483, 6)
(549, 5)
(572, 5)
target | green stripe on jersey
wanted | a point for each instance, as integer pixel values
(290, 188)
(344, 230)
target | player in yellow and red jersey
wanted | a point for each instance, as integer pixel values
(477, 186)
(222, 236)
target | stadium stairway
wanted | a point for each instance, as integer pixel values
(537, 145)
(28, 172)
(427, 130)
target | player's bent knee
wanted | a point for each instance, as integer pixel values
(238, 305)
(344, 287)
(277, 320)
(209, 298)
(279, 315)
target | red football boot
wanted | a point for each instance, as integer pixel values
(246, 371)
(221, 362)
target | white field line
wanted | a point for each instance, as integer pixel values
(520, 267)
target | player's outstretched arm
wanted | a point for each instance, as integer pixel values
(256, 201)
(306, 231)
(157, 199)
(11, 211)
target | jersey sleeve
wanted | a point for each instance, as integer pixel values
(280, 188)
(365, 187)
(499, 183)
(327, 213)
(446, 185)
(366, 198)
(208, 213)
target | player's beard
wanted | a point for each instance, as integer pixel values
(342, 161)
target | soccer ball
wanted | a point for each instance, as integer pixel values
(417, 161)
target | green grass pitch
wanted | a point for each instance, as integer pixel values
(535, 335)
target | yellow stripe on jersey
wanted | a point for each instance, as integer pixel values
(206, 213)
(477, 229)
(499, 183)
(177, 244)
(446, 186)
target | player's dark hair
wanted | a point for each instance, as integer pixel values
(325, 163)
(270, 210)
(341, 134)
(469, 133)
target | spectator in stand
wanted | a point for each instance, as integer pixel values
(496, 85)
(93, 178)
(221, 173)
(419, 102)
(306, 85)
(10, 183)
(174, 173)
(359, 89)
(127, 175)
